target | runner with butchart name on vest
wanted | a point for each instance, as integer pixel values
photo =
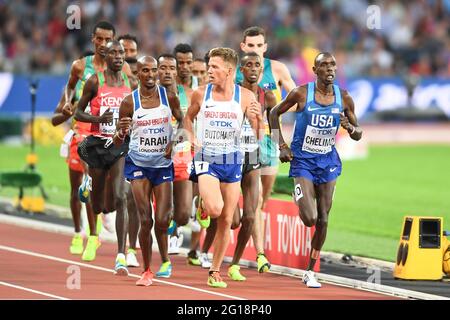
(104, 91)
(321, 106)
(146, 115)
(220, 107)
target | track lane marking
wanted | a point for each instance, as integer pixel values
(91, 266)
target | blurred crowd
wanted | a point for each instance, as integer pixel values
(413, 36)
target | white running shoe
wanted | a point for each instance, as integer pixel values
(109, 221)
(173, 245)
(120, 268)
(131, 258)
(203, 257)
(310, 280)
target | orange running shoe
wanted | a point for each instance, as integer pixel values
(146, 278)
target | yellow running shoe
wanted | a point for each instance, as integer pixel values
(193, 261)
(235, 274)
(263, 263)
(165, 271)
(215, 280)
(77, 244)
(91, 248)
(201, 215)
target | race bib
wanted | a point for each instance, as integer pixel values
(201, 167)
(109, 128)
(319, 140)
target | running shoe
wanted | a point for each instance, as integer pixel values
(175, 242)
(193, 261)
(91, 248)
(201, 215)
(235, 274)
(172, 227)
(165, 271)
(310, 280)
(215, 280)
(76, 246)
(85, 188)
(131, 258)
(146, 278)
(263, 263)
(204, 260)
(120, 269)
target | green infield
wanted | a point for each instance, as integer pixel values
(372, 195)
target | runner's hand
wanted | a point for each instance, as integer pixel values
(124, 125)
(106, 117)
(286, 154)
(345, 123)
(67, 109)
(255, 110)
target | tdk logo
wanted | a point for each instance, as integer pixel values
(153, 130)
(219, 123)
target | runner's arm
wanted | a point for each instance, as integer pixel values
(126, 111)
(270, 102)
(174, 103)
(61, 114)
(89, 92)
(76, 72)
(284, 76)
(293, 98)
(348, 119)
(253, 112)
(193, 110)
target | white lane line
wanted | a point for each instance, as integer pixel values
(44, 256)
(31, 290)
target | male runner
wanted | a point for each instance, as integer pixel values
(104, 91)
(185, 84)
(80, 71)
(275, 75)
(76, 171)
(147, 112)
(250, 69)
(321, 107)
(220, 106)
(130, 45)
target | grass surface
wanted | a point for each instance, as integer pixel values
(372, 195)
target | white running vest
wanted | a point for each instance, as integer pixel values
(151, 131)
(219, 123)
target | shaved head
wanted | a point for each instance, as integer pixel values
(321, 56)
(145, 60)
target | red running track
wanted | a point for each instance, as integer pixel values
(34, 265)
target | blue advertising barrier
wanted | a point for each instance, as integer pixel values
(370, 94)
